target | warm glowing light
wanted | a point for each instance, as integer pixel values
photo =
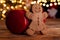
(20, 1)
(58, 0)
(2, 1)
(47, 5)
(44, 4)
(53, 0)
(1, 9)
(2, 18)
(33, 2)
(51, 4)
(23, 2)
(40, 3)
(58, 3)
(55, 3)
(16, 6)
(39, 0)
(12, 7)
(3, 12)
(13, 1)
(20, 5)
(25, 7)
(8, 8)
(44, 1)
(4, 5)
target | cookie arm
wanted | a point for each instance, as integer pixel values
(28, 15)
(45, 15)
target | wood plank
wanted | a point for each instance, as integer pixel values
(6, 35)
(49, 19)
(49, 22)
(2, 25)
(36, 37)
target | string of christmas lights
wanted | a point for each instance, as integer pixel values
(6, 5)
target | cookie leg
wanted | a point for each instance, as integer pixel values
(30, 32)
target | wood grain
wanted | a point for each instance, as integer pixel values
(5, 34)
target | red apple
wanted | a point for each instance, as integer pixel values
(16, 21)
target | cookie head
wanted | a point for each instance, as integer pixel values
(36, 8)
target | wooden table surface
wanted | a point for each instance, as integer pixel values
(6, 35)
